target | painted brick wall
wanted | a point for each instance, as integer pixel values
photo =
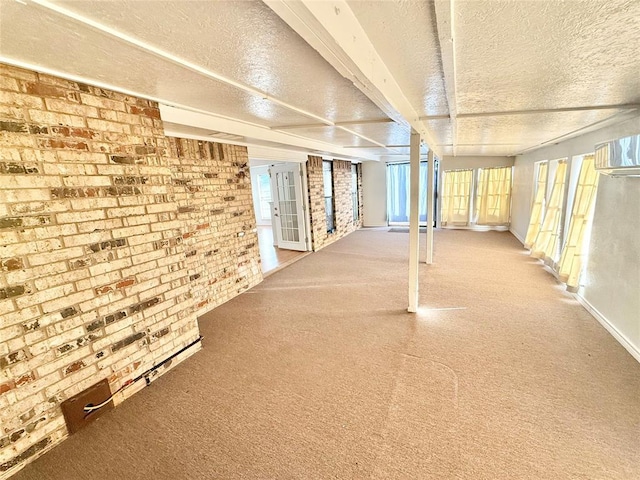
(344, 222)
(98, 225)
(213, 191)
(317, 211)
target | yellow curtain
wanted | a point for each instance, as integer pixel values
(493, 197)
(546, 243)
(537, 210)
(570, 264)
(456, 193)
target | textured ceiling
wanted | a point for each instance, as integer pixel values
(516, 55)
(406, 37)
(238, 60)
(243, 41)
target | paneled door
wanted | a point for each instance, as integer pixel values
(288, 203)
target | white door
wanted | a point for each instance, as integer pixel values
(288, 211)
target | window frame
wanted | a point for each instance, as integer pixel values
(329, 200)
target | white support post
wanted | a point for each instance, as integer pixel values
(423, 252)
(430, 205)
(439, 204)
(414, 225)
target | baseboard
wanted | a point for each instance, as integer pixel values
(477, 228)
(629, 347)
(286, 264)
(520, 239)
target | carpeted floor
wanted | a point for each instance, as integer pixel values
(319, 373)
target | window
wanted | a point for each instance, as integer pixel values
(354, 192)
(539, 203)
(327, 181)
(456, 195)
(547, 245)
(571, 259)
(398, 202)
(493, 197)
(264, 194)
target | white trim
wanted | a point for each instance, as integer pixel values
(624, 341)
(477, 228)
(307, 208)
(515, 234)
(270, 154)
(255, 132)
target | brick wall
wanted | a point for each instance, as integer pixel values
(344, 223)
(317, 211)
(213, 191)
(112, 238)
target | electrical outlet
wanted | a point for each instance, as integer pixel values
(73, 408)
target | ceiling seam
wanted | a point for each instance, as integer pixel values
(623, 106)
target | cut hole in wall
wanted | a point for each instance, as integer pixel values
(73, 408)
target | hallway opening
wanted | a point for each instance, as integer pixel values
(271, 257)
(279, 198)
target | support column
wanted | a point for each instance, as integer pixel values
(414, 226)
(440, 186)
(430, 202)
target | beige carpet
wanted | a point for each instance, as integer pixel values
(319, 373)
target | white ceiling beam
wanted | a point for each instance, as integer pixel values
(365, 122)
(252, 131)
(623, 106)
(446, 36)
(336, 124)
(299, 125)
(333, 30)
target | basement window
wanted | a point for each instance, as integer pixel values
(398, 186)
(456, 197)
(329, 204)
(493, 196)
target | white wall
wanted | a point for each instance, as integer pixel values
(374, 193)
(612, 275)
(521, 198)
(255, 171)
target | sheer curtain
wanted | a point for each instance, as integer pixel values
(456, 194)
(493, 197)
(537, 210)
(398, 192)
(546, 244)
(570, 264)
